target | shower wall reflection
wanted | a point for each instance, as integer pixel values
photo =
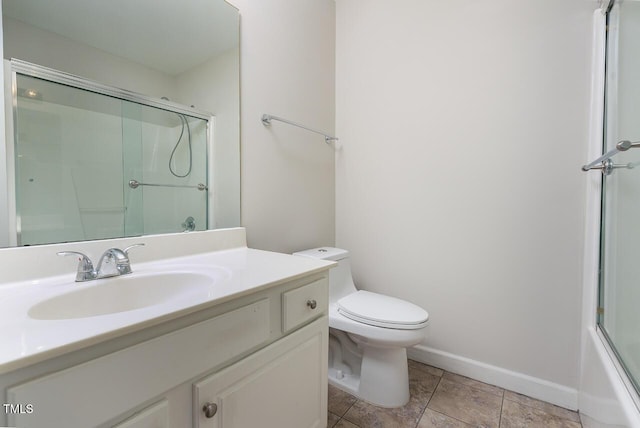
(75, 153)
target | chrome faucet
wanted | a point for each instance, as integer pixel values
(85, 267)
(114, 262)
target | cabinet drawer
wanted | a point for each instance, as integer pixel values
(304, 304)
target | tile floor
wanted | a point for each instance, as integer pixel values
(441, 399)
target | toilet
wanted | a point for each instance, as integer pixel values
(368, 336)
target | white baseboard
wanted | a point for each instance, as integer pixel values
(530, 386)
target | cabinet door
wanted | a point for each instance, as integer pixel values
(155, 416)
(283, 385)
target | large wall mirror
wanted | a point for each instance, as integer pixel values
(122, 119)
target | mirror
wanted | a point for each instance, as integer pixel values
(181, 56)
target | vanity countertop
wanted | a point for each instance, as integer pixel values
(236, 272)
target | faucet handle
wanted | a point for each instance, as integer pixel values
(124, 266)
(126, 250)
(85, 266)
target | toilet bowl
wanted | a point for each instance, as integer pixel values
(368, 336)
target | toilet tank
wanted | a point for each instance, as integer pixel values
(340, 279)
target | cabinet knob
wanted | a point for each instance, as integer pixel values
(210, 409)
(312, 304)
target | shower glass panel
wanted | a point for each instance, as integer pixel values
(167, 153)
(619, 317)
(76, 152)
(68, 160)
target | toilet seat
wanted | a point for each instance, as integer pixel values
(382, 311)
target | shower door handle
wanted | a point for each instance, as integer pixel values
(607, 167)
(604, 162)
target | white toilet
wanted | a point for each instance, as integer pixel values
(368, 336)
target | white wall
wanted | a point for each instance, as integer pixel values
(464, 126)
(28, 43)
(287, 69)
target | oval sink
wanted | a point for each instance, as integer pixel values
(124, 293)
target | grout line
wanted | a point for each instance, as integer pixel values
(426, 405)
(358, 426)
(450, 417)
(347, 411)
(434, 392)
(501, 408)
(336, 423)
(424, 410)
(352, 404)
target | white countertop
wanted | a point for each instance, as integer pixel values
(238, 272)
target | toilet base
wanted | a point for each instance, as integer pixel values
(385, 377)
(347, 382)
(381, 377)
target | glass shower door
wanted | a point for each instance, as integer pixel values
(619, 302)
(68, 170)
(89, 165)
(165, 169)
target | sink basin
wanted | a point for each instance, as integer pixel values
(124, 293)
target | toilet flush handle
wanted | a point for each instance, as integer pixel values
(312, 304)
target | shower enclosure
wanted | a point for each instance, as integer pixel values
(619, 292)
(95, 162)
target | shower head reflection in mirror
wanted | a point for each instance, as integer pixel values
(185, 123)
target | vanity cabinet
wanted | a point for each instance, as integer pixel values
(260, 361)
(280, 386)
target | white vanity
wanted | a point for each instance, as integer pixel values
(231, 337)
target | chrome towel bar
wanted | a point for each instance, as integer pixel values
(267, 118)
(135, 183)
(604, 162)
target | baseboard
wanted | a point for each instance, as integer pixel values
(540, 389)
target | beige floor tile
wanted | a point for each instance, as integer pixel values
(458, 402)
(422, 381)
(332, 419)
(431, 419)
(339, 401)
(547, 407)
(473, 383)
(369, 416)
(466, 403)
(425, 368)
(516, 415)
(345, 424)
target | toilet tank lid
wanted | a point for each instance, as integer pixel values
(324, 253)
